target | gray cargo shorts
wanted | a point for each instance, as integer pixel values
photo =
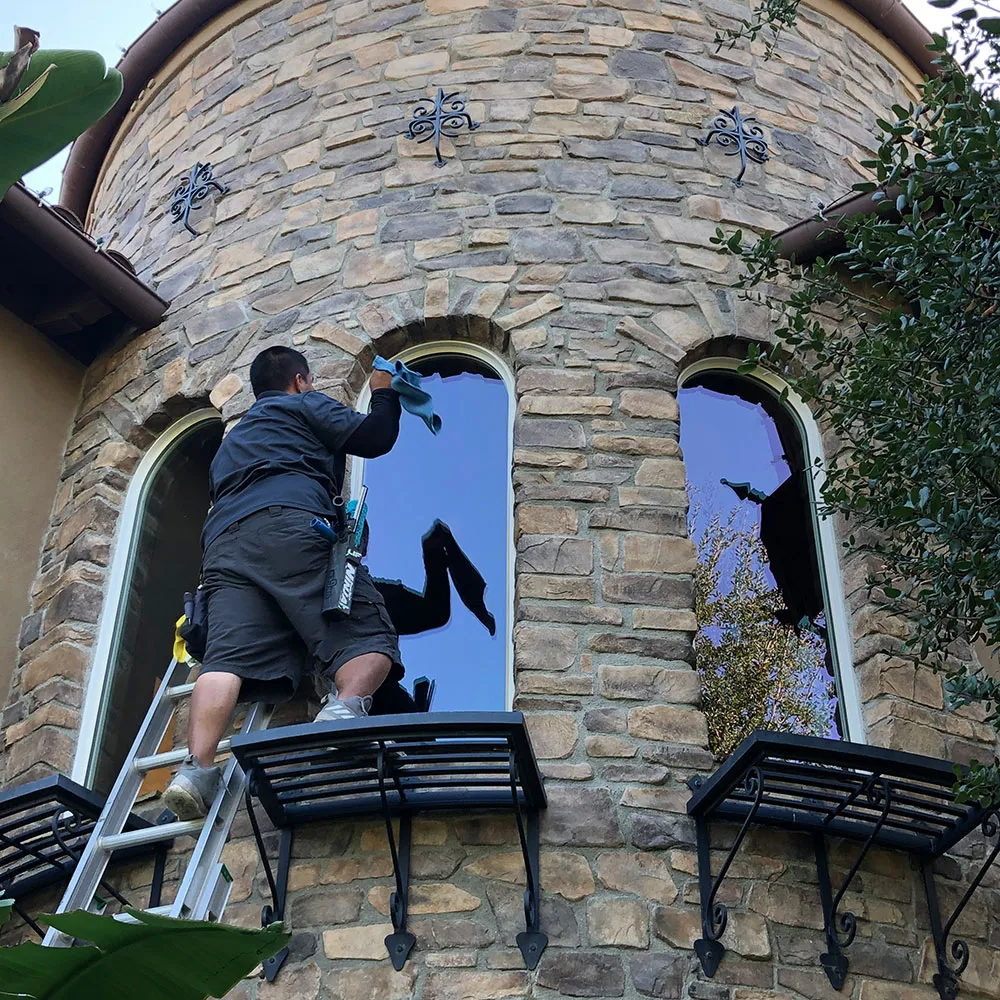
(264, 577)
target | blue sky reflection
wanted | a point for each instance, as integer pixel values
(461, 476)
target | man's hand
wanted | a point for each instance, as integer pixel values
(380, 380)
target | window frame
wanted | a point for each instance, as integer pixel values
(824, 535)
(125, 549)
(434, 348)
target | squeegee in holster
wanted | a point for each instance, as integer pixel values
(345, 534)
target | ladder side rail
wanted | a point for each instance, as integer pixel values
(90, 869)
(198, 896)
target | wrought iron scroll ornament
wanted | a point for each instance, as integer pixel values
(445, 116)
(841, 929)
(877, 798)
(714, 915)
(947, 977)
(190, 193)
(738, 134)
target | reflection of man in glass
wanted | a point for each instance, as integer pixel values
(264, 567)
(413, 612)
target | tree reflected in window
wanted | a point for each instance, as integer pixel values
(441, 503)
(763, 648)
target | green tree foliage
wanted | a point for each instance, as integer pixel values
(769, 18)
(756, 673)
(895, 342)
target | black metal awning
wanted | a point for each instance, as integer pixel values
(821, 786)
(396, 766)
(880, 798)
(44, 827)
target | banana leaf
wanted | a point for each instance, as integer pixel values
(61, 94)
(159, 958)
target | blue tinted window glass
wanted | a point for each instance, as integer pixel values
(460, 477)
(762, 646)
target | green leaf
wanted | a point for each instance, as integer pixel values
(79, 90)
(990, 25)
(18, 101)
(158, 958)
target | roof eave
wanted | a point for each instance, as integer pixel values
(70, 248)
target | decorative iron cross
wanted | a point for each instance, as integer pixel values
(735, 135)
(445, 116)
(191, 192)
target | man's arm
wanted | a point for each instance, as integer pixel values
(377, 433)
(341, 428)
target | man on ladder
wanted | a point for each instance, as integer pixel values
(265, 568)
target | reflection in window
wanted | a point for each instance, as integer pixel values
(762, 648)
(166, 562)
(461, 478)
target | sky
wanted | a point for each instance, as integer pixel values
(725, 437)
(109, 26)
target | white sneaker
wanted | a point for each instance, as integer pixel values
(335, 710)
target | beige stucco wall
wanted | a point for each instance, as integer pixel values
(39, 390)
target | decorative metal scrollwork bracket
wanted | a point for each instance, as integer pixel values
(400, 942)
(714, 915)
(445, 116)
(191, 192)
(277, 883)
(951, 968)
(841, 929)
(738, 134)
(531, 941)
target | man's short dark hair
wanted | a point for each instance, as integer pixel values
(276, 368)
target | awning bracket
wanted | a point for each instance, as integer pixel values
(400, 942)
(277, 883)
(531, 941)
(840, 930)
(949, 971)
(714, 915)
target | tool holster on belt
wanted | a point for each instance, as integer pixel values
(347, 536)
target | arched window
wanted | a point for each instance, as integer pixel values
(773, 647)
(461, 478)
(157, 558)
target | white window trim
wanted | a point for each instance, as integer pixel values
(487, 357)
(826, 542)
(119, 574)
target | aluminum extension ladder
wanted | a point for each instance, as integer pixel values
(206, 885)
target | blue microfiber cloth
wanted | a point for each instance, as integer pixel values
(406, 382)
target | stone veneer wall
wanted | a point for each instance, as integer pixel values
(570, 233)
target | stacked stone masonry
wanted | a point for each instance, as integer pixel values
(570, 234)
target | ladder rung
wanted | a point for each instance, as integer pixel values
(178, 691)
(170, 757)
(151, 834)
